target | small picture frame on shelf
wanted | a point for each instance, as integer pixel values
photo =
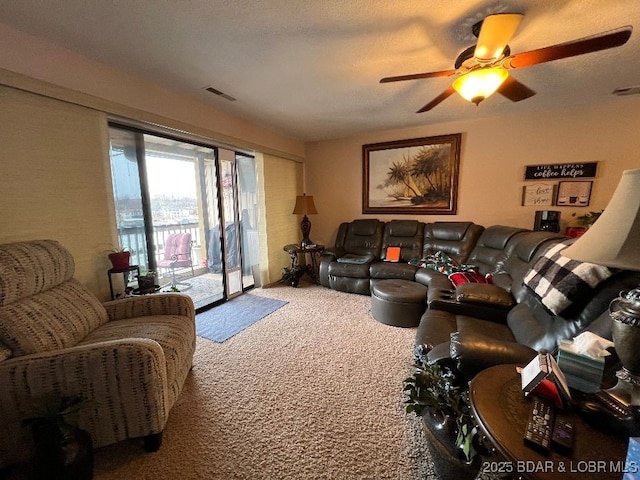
(574, 194)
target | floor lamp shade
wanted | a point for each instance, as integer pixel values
(305, 206)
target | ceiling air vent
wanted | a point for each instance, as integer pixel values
(220, 94)
(621, 91)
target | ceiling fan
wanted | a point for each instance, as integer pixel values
(483, 69)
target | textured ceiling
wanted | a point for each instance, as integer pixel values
(310, 68)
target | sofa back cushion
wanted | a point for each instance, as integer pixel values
(491, 247)
(42, 308)
(456, 239)
(519, 257)
(364, 237)
(406, 234)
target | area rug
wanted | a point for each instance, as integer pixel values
(311, 392)
(224, 321)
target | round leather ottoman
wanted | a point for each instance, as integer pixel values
(400, 303)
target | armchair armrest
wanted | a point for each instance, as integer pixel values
(102, 374)
(475, 352)
(156, 304)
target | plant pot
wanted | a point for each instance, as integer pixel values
(62, 451)
(448, 460)
(120, 260)
(147, 284)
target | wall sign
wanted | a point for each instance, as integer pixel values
(563, 170)
(537, 194)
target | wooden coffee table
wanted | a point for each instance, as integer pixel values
(501, 412)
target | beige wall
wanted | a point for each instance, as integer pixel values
(282, 182)
(55, 178)
(53, 183)
(493, 156)
(107, 89)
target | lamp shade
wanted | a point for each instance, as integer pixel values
(305, 205)
(479, 84)
(614, 239)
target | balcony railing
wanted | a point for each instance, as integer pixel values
(133, 239)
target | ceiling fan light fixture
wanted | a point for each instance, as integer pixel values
(479, 84)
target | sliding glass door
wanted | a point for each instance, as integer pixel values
(177, 212)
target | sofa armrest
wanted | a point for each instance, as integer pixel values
(154, 304)
(475, 352)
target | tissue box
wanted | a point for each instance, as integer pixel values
(583, 372)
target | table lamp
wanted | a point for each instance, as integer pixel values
(305, 206)
(614, 241)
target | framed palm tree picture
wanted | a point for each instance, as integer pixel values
(417, 176)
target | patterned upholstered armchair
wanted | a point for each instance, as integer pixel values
(127, 359)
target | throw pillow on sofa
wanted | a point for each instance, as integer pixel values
(458, 278)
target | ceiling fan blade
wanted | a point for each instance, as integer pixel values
(514, 90)
(602, 41)
(495, 33)
(416, 76)
(436, 101)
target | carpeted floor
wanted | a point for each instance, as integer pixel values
(313, 390)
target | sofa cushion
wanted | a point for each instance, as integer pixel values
(356, 259)
(56, 318)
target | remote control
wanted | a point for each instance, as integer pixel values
(562, 437)
(540, 425)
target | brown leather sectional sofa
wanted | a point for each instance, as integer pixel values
(472, 326)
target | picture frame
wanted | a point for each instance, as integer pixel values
(574, 194)
(538, 194)
(418, 176)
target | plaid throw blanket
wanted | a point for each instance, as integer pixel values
(560, 282)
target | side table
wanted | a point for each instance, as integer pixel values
(502, 412)
(125, 276)
(295, 250)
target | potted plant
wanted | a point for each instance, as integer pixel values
(587, 219)
(120, 258)
(147, 282)
(434, 394)
(584, 221)
(62, 450)
(292, 275)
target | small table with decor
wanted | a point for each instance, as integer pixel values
(501, 412)
(126, 276)
(315, 251)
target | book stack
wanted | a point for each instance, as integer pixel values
(583, 372)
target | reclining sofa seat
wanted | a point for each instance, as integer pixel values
(126, 359)
(456, 239)
(496, 244)
(409, 236)
(345, 267)
(472, 344)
